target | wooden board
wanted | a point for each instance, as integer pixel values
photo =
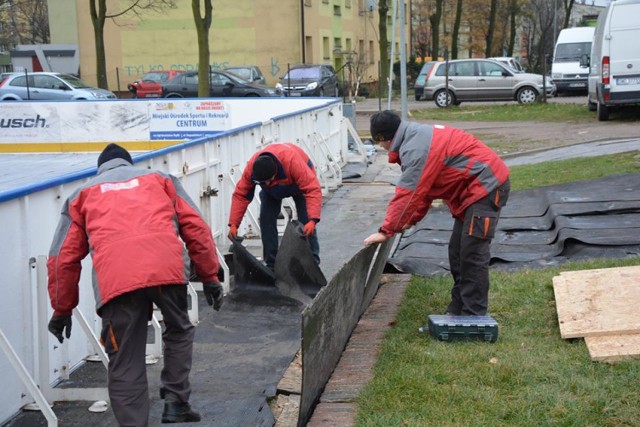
(598, 302)
(613, 348)
(291, 381)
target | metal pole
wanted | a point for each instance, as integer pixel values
(392, 53)
(403, 62)
(555, 21)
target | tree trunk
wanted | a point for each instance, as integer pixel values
(435, 29)
(456, 30)
(203, 24)
(513, 16)
(97, 18)
(383, 10)
(492, 27)
(568, 5)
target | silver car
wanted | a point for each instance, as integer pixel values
(482, 80)
(39, 86)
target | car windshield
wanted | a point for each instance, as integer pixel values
(73, 81)
(303, 73)
(156, 77)
(569, 52)
(222, 78)
(244, 73)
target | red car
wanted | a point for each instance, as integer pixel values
(149, 85)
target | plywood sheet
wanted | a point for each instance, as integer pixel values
(598, 302)
(613, 348)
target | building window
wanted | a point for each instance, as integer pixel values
(307, 3)
(337, 10)
(347, 4)
(325, 1)
(372, 58)
(325, 48)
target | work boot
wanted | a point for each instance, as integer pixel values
(179, 412)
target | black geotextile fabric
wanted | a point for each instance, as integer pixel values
(538, 227)
(296, 274)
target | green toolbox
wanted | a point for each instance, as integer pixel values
(462, 328)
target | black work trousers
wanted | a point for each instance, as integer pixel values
(469, 253)
(124, 336)
(269, 210)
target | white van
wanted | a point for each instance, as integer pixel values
(614, 77)
(566, 71)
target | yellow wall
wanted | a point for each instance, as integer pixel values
(63, 11)
(266, 33)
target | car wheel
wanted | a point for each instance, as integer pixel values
(337, 92)
(417, 97)
(173, 95)
(527, 95)
(592, 106)
(251, 95)
(602, 112)
(443, 98)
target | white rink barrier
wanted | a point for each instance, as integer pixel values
(208, 167)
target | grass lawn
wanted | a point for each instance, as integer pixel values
(530, 376)
(543, 112)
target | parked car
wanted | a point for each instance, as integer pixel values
(418, 87)
(221, 84)
(149, 86)
(250, 73)
(47, 86)
(310, 80)
(482, 80)
(614, 60)
(511, 62)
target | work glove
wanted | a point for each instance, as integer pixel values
(233, 232)
(214, 293)
(309, 227)
(58, 324)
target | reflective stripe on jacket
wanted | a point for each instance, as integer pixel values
(439, 162)
(135, 223)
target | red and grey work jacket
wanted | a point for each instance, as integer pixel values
(295, 174)
(135, 223)
(439, 162)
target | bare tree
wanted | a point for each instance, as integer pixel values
(421, 36)
(24, 22)
(99, 14)
(435, 19)
(514, 12)
(203, 24)
(567, 5)
(383, 11)
(488, 51)
(539, 16)
(456, 30)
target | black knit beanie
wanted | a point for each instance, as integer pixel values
(384, 125)
(114, 151)
(264, 168)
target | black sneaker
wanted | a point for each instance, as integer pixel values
(179, 412)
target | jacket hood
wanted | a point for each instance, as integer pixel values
(408, 130)
(113, 163)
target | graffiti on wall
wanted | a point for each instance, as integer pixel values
(141, 69)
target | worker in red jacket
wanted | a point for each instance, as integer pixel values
(441, 162)
(135, 222)
(281, 170)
